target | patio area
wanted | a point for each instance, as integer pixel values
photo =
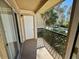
(30, 51)
(42, 53)
(46, 48)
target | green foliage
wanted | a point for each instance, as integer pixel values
(67, 25)
(50, 21)
(52, 18)
(61, 22)
(55, 40)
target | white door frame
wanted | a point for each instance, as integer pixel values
(21, 26)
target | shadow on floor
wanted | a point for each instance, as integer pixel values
(29, 49)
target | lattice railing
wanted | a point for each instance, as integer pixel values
(55, 40)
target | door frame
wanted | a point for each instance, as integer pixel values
(74, 19)
(16, 26)
(21, 26)
(74, 43)
(15, 23)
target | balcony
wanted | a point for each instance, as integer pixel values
(37, 29)
(53, 42)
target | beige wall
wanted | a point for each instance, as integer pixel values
(3, 53)
(39, 21)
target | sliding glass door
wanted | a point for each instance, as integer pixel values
(10, 30)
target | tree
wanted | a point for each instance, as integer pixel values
(52, 18)
(62, 20)
(69, 12)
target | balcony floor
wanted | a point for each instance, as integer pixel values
(31, 51)
(42, 53)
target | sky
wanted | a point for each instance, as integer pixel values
(67, 3)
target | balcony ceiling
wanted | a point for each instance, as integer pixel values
(33, 5)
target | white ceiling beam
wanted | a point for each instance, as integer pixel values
(26, 12)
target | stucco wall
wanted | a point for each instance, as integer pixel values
(39, 21)
(3, 54)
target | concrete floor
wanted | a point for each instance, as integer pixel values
(42, 53)
(40, 43)
(30, 51)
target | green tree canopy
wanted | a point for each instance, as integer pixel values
(52, 18)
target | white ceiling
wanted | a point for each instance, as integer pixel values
(32, 5)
